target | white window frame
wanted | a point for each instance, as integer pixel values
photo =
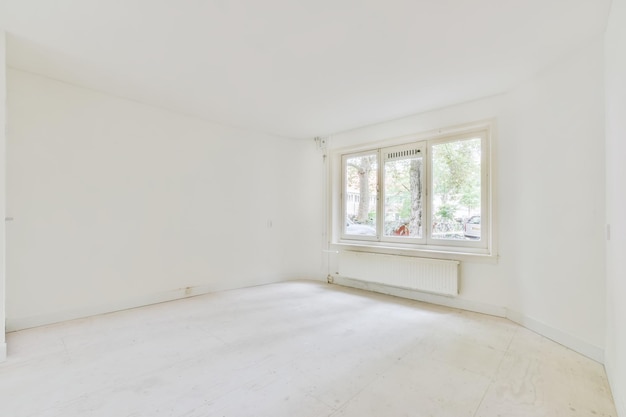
(421, 146)
(485, 248)
(344, 184)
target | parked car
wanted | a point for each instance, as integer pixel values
(472, 227)
(353, 228)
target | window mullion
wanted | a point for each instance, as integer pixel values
(426, 209)
(381, 197)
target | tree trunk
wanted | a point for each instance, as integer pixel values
(415, 222)
(364, 190)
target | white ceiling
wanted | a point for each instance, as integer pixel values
(297, 68)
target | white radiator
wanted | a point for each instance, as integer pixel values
(420, 274)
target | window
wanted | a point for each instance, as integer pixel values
(361, 194)
(456, 188)
(402, 193)
(432, 194)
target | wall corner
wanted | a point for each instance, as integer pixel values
(3, 111)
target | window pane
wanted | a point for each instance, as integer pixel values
(403, 195)
(361, 195)
(456, 190)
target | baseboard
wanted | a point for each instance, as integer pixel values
(620, 403)
(21, 323)
(617, 390)
(584, 348)
(580, 346)
(591, 351)
(453, 302)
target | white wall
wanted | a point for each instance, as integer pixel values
(118, 204)
(556, 123)
(615, 49)
(3, 349)
(549, 199)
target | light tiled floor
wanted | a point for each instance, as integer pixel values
(296, 349)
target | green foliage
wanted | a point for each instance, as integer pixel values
(446, 212)
(456, 177)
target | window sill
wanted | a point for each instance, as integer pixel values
(434, 252)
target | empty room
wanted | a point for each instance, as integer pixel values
(312, 208)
